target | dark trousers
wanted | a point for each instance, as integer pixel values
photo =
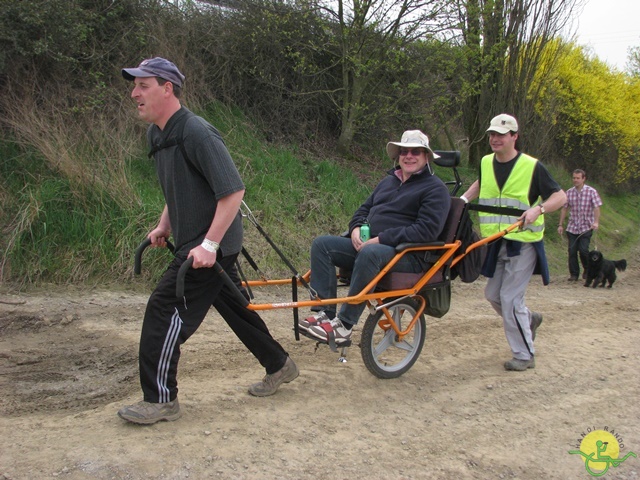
(578, 246)
(169, 321)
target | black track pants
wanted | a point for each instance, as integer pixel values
(170, 321)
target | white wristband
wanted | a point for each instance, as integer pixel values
(210, 245)
(465, 199)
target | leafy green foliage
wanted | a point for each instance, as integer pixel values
(588, 105)
(504, 44)
(67, 40)
(273, 59)
(77, 193)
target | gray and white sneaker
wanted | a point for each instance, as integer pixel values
(313, 320)
(335, 327)
(518, 365)
(146, 413)
(270, 383)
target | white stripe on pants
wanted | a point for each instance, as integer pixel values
(165, 358)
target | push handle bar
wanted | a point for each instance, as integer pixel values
(447, 158)
(182, 272)
(137, 267)
(188, 263)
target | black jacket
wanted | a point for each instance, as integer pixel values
(414, 211)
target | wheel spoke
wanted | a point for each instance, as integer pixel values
(385, 343)
(397, 317)
(405, 345)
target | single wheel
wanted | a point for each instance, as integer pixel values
(382, 352)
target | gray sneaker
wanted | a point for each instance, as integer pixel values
(536, 320)
(270, 383)
(146, 413)
(515, 364)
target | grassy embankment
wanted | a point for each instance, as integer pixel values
(62, 230)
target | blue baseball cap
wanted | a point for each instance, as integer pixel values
(155, 67)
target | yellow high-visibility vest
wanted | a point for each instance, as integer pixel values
(514, 194)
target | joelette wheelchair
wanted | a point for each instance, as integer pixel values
(394, 331)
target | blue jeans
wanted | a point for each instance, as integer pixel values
(329, 252)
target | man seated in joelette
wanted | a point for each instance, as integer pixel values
(410, 204)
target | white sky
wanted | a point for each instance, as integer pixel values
(609, 27)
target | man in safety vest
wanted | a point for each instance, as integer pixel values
(514, 180)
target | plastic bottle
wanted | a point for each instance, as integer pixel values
(365, 232)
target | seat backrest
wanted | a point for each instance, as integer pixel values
(452, 225)
(397, 280)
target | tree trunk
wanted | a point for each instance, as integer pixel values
(351, 112)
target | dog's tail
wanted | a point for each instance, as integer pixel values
(621, 265)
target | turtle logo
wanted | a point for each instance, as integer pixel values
(600, 450)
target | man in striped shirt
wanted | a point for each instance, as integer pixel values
(583, 203)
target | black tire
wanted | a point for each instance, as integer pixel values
(382, 354)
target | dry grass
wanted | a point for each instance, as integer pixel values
(87, 145)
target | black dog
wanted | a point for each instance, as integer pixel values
(601, 271)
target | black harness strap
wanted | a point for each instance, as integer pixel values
(244, 279)
(176, 140)
(514, 212)
(166, 144)
(252, 262)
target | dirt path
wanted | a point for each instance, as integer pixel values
(68, 362)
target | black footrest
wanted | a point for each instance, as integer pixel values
(323, 342)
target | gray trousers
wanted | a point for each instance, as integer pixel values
(506, 290)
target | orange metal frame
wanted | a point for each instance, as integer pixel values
(449, 253)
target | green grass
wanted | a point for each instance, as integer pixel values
(61, 232)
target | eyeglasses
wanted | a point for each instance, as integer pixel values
(414, 151)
